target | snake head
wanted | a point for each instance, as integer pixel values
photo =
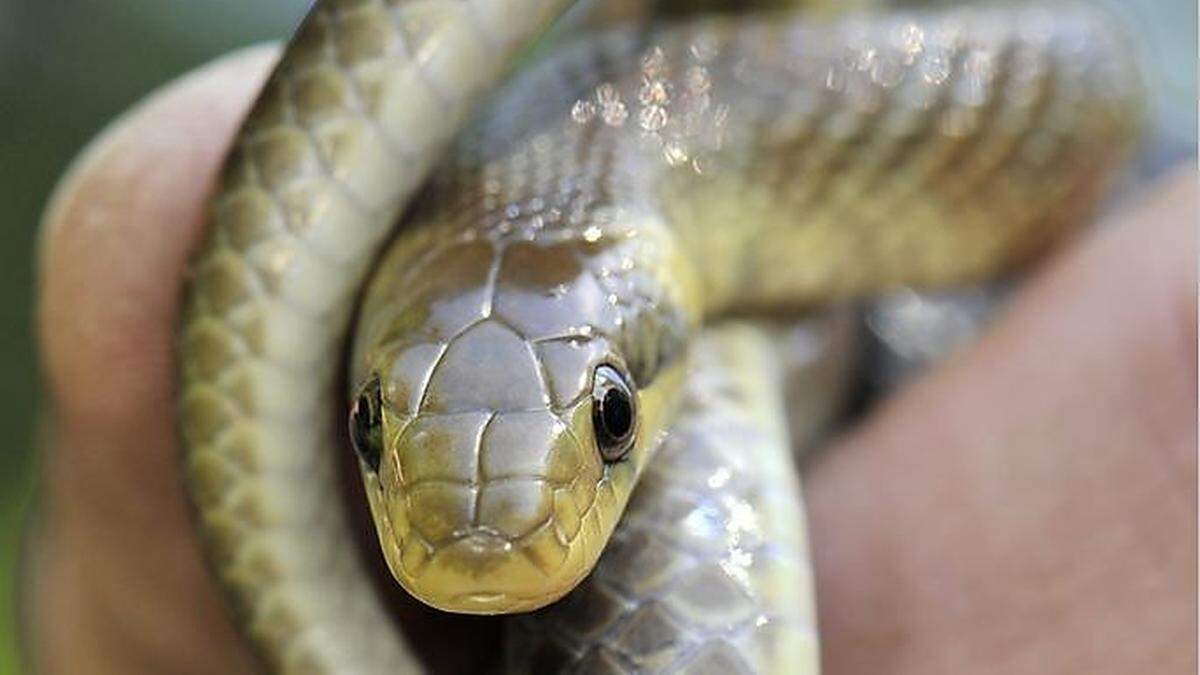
(501, 417)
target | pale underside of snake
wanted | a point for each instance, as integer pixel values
(534, 340)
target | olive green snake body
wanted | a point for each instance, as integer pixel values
(532, 336)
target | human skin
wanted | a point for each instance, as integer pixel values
(1029, 507)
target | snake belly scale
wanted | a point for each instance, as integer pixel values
(527, 342)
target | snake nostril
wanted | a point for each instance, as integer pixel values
(366, 424)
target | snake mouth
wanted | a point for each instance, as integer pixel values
(484, 572)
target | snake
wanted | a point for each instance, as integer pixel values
(520, 287)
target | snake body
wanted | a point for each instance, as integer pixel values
(620, 194)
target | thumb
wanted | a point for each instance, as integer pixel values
(115, 242)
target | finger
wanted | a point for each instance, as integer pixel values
(129, 585)
(1031, 507)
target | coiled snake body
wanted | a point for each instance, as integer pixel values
(531, 337)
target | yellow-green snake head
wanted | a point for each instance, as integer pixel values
(506, 393)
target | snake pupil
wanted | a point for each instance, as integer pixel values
(366, 424)
(618, 418)
(612, 413)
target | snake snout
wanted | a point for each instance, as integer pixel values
(486, 508)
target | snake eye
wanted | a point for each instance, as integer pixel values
(613, 413)
(366, 424)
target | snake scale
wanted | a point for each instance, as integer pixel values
(535, 338)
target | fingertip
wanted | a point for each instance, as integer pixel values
(234, 76)
(116, 235)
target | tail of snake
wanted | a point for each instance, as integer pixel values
(527, 343)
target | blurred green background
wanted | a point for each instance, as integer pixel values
(67, 67)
